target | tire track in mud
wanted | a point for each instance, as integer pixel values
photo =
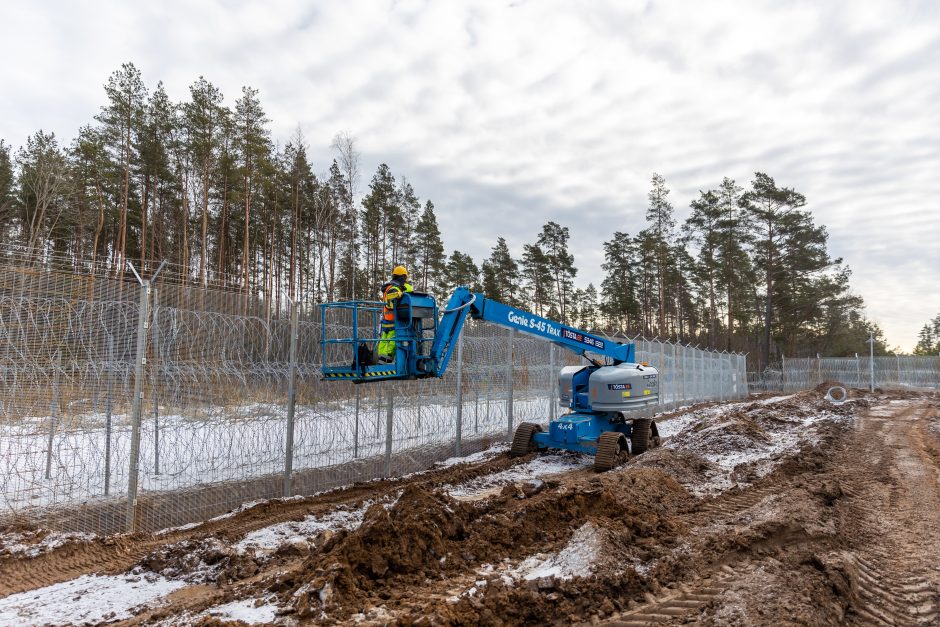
(116, 554)
(677, 603)
(893, 506)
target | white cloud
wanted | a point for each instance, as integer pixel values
(507, 115)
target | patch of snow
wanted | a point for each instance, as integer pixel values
(245, 610)
(753, 439)
(269, 538)
(19, 545)
(492, 451)
(87, 599)
(544, 465)
(575, 560)
(774, 399)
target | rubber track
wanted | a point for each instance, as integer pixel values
(522, 439)
(640, 437)
(610, 447)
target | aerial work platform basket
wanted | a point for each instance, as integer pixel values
(350, 332)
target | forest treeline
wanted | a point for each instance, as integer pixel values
(203, 185)
(928, 340)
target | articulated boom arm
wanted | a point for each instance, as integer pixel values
(464, 302)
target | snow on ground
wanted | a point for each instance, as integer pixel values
(270, 538)
(741, 442)
(541, 466)
(33, 544)
(492, 451)
(250, 611)
(220, 443)
(89, 599)
(577, 559)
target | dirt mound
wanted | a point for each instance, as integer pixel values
(413, 538)
(682, 465)
(428, 535)
(206, 560)
(730, 433)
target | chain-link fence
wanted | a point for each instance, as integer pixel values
(126, 405)
(913, 372)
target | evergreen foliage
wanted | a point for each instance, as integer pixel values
(202, 185)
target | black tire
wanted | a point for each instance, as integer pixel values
(640, 435)
(522, 443)
(611, 451)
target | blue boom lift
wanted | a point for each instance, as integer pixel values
(600, 395)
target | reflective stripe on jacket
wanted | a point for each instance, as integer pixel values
(391, 292)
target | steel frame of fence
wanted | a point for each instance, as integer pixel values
(121, 410)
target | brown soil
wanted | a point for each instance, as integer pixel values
(846, 530)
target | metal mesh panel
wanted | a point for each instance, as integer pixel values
(217, 423)
(898, 371)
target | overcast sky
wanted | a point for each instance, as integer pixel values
(509, 114)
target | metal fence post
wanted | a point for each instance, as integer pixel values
(53, 411)
(356, 426)
(510, 376)
(551, 382)
(153, 386)
(871, 359)
(418, 406)
(291, 397)
(140, 361)
(389, 415)
(459, 394)
(109, 407)
(858, 372)
(476, 409)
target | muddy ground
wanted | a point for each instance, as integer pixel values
(778, 510)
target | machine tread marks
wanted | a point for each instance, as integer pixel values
(611, 451)
(522, 443)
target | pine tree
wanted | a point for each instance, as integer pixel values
(735, 271)
(619, 288)
(537, 274)
(928, 340)
(156, 170)
(122, 120)
(788, 251)
(703, 228)
(204, 118)
(406, 246)
(7, 195)
(460, 270)
(347, 156)
(380, 223)
(89, 174)
(588, 308)
(501, 279)
(553, 241)
(430, 252)
(43, 191)
(252, 144)
(659, 236)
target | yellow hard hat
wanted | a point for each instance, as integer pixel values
(400, 270)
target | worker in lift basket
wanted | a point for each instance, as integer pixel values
(391, 295)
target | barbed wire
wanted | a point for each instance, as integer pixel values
(215, 381)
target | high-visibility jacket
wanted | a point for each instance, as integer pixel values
(391, 292)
